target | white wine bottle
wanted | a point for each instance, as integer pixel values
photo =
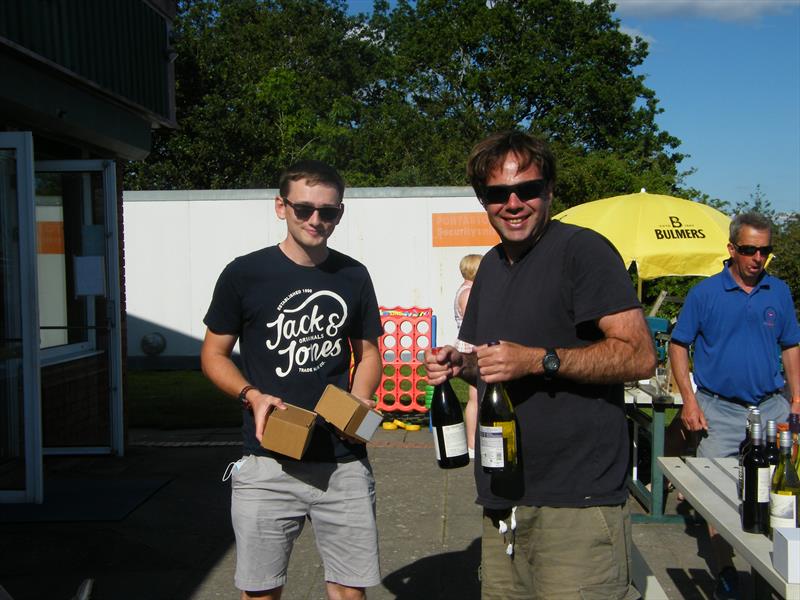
(449, 433)
(785, 493)
(497, 429)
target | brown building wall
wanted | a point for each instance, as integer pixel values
(75, 407)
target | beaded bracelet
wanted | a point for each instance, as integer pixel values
(243, 395)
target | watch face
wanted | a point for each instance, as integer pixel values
(551, 363)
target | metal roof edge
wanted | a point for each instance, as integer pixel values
(410, 192)
(270, 193)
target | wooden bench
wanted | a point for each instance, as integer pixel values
(643, 578)
(709, 484)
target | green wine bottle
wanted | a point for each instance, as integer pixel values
(447, 423)
(785, 493)
(497, 430)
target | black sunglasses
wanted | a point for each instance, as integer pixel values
(527, 190)
(751, 250)
(304, 211)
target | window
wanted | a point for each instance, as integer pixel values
(70, 263)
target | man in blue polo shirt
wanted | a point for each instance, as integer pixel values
(741, 322)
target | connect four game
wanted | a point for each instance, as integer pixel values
(407, 333)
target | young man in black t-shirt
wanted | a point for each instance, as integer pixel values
(299, 311)
(570, 329)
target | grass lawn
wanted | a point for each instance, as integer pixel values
(461, 389)
(178, 400)
(187, 400)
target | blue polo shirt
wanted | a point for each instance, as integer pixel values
(738, 336)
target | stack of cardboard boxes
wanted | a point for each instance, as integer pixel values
(289, 431)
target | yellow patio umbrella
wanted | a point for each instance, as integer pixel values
(663, 235)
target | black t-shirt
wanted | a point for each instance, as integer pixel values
(574, 442)
(294, 324)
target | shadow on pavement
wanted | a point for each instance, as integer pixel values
(700, 583)
(447, 576)
(164, 549)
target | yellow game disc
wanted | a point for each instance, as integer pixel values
(399, 424)
(388, 425)
(411, 427)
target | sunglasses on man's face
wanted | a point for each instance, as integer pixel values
(751, 250)
(304, 211)
(527, 190)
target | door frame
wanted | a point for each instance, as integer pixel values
(33, 492)
(108, 170)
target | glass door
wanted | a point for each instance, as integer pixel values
(77, 258)
(20, 413)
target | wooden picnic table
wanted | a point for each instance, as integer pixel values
(638, 397)
(709, 484)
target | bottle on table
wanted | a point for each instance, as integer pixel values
(756, 485)
(771, 450)
(785, 493)
(781, 428)
(744, 446)
(794, 428)
(497, 429)
(449, 432)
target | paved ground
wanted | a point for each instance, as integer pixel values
(178, 545)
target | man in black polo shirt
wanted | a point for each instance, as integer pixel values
(560, 528)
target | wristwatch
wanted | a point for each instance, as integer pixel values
(550, 363)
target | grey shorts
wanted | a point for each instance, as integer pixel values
(270, 501)
(726, 423)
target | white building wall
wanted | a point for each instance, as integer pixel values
(178, 242)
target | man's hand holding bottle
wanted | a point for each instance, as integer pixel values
(443, 363)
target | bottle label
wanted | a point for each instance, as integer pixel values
(454, 438)
(763, 484)
(491, 446)
(740, 481)
(762, 487)
(782, 510)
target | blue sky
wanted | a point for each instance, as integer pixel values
(727, 74)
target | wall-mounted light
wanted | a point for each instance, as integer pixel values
(153, 344)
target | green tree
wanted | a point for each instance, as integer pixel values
(786, 263)
(400, 96)
(259, 83)
(459, 69)
(758, 202)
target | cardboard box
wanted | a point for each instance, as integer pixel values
(288, 431)
(348, 414)
(786, 553)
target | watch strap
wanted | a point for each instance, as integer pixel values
(550, 355)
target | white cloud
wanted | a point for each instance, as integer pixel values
(725, 10)
(634, 32)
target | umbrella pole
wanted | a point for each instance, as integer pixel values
(639, 287)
